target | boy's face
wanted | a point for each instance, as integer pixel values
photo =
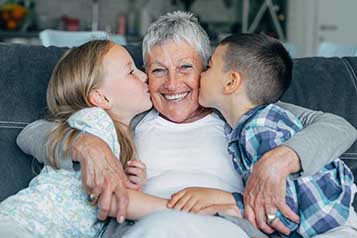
(212, 80)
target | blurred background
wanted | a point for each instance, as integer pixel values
(307, 27)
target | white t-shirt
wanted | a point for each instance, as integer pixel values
(185, 155)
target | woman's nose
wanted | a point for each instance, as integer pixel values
(171, 82)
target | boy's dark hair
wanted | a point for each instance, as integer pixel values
(263, 62)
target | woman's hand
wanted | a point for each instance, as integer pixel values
(266, 187)
(102, 175)
(136, 172)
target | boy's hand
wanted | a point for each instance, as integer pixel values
(136, 172)
(195, 199)
(226, 209)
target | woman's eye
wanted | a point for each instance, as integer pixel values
(131, 71)
(186, 66)
(157, 71)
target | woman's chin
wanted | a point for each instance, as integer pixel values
(180, 116)
(175, 117)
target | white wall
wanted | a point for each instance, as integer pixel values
(50, 11)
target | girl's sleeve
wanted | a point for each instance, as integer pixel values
(96, 121)
(33, 138)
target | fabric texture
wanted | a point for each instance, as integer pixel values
(185, 155)
(11, 228)
(182, 225)
(322, 200)
(97, 122)
(55, 203)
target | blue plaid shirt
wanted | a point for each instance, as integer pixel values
(322, 200)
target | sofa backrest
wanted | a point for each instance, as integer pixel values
(327, 84)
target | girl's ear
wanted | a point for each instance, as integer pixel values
(233, 82)
(97, 98)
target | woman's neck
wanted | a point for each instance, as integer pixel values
(200, 113)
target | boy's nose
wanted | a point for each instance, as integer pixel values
(143, 76)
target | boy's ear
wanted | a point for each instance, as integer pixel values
(97, 98)
(233, 82)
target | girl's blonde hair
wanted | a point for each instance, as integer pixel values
(76, 74)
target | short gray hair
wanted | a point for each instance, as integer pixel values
(177, 26)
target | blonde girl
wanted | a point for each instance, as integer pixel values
(99, 77)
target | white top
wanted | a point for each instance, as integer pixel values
(185, 155)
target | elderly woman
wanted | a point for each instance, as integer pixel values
(184, 145)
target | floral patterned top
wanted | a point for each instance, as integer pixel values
(55, 203)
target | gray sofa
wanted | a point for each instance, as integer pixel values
(327, 84)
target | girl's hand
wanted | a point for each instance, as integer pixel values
(136, 172)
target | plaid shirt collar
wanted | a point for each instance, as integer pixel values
(234, 134)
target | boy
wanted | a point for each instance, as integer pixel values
(246, 75)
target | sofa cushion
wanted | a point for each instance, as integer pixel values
(24, 74)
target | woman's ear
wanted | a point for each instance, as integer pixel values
(97, 98)
(232, 83)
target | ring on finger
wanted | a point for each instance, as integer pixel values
(92, 198)
(271, 218)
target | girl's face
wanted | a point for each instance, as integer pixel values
(124, 87)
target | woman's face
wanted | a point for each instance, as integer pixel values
(124, 85)
(174, 75)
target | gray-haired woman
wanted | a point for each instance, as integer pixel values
(184, 145)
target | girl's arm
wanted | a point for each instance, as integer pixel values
(140, 204)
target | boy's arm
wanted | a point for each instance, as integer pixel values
(255, 140)
(324, 138)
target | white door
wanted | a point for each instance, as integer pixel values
(337, 21)
(311, 22)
